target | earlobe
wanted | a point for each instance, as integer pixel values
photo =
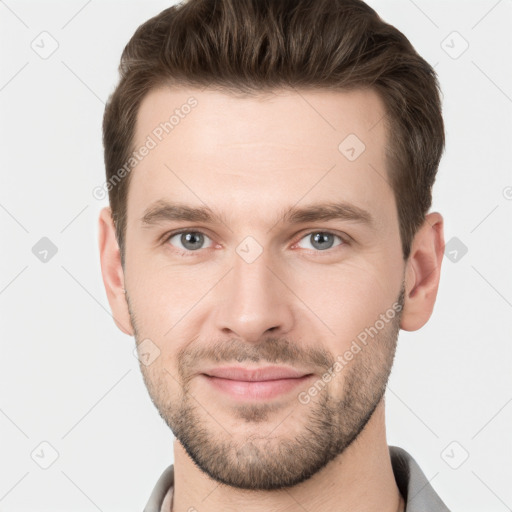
(423, 272)
(112, 271)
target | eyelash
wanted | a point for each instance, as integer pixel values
(344, 240)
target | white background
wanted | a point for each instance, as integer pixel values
(69, 377)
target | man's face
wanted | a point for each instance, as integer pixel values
(257, 288)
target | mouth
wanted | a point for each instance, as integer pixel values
(257, 383)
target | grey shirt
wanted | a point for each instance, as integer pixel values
(412, 483)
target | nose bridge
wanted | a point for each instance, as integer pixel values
(251, 279)
(254, 300)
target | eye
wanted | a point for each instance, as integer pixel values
(321, 240)
(190, 241)
(186, 242)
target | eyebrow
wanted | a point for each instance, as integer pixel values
(163, 211)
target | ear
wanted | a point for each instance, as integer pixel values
(112, 271)
(423, 271)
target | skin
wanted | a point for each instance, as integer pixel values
(298, 303)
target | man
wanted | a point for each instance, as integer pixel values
(269, 167)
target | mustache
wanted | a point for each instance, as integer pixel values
(269, 350)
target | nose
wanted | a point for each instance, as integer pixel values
(254, 301)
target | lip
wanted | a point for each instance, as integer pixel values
(255, 374)
(256, 383)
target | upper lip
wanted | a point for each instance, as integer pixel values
(255, 374)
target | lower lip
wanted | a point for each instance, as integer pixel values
(254, 390)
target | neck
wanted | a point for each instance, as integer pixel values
(360, 479)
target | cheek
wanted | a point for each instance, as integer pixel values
(346, 298)
(162, 293)
(337, 300)
(161, 381)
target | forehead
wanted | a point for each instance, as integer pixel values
(221, 117)
(267, 150)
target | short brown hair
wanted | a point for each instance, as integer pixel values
(252, 46)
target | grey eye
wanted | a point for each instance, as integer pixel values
(189, 240)
(321, 240)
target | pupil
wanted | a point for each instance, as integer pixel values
(321, 238)
(188, 240)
